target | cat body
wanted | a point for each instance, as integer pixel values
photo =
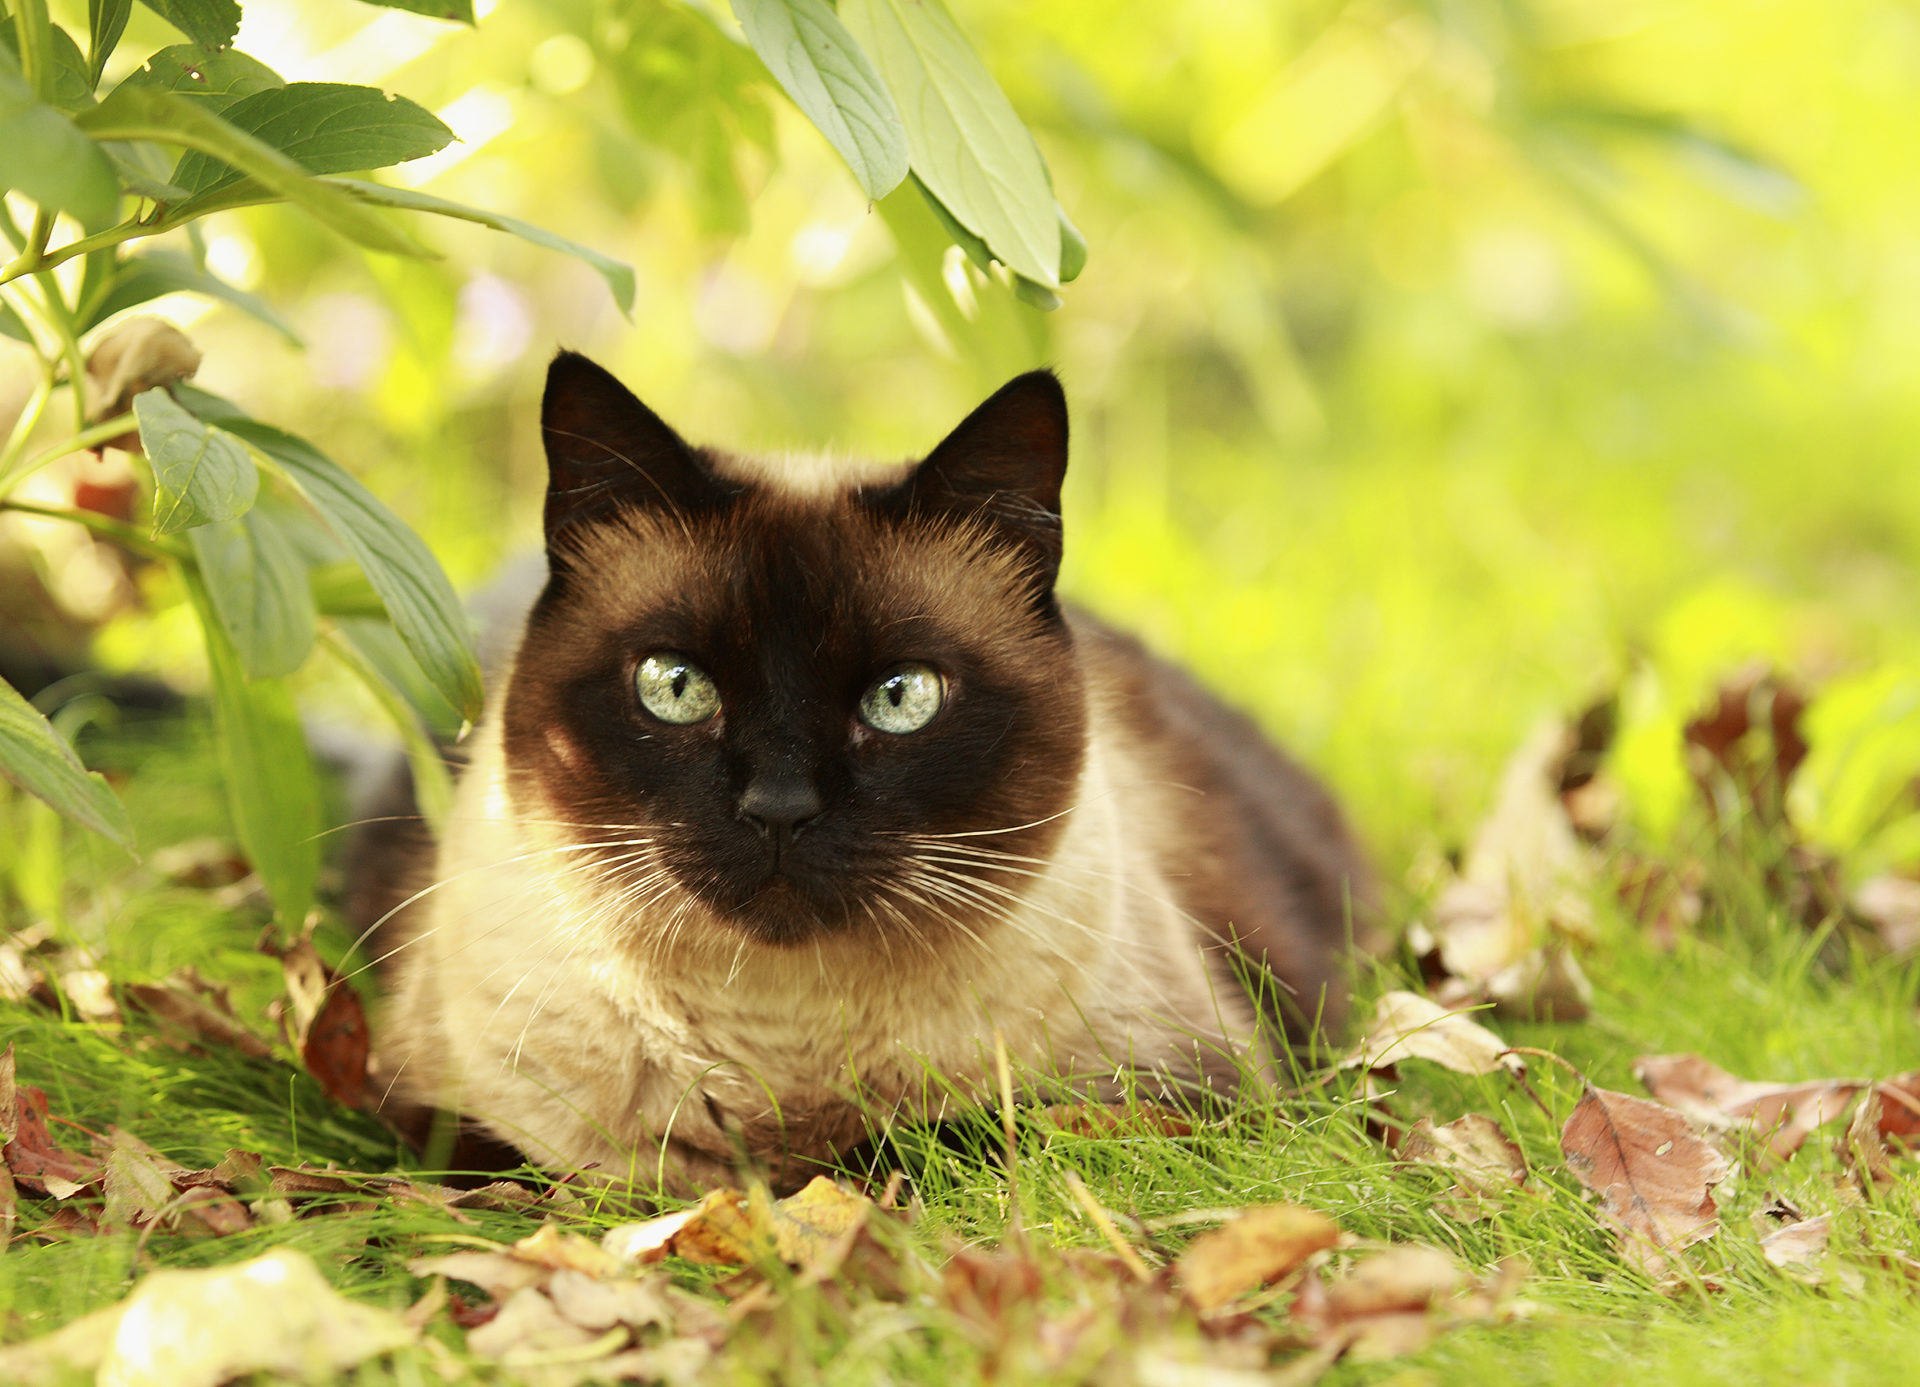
(803, 794)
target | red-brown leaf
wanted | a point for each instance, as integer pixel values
(1785, 1115)
(1654, 1176)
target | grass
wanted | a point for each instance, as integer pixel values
(1753, 990)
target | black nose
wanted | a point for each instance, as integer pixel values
(779, 807)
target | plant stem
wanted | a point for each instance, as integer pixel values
(28, 421)
(106, 526)
(104, 432)
(34, 253)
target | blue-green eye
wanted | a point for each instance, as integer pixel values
(674, 690)
(904, 699)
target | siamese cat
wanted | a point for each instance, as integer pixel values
(803, 795)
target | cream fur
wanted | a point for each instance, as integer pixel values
(653, 1043)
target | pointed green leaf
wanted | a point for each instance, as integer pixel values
(201, 475)
(374, 654)
(272, 789)
(818, 64)
(1073, 247)
(967, 143)
(419, 599)
(617, 273)
(38, 759)
(216, 78)
(11, 325)
(457, 11)
(143, 277)
(45, 156)
(161, 117)
(211, 23)
(325, 127)
(68, 85)
(258, 586)
(106, 21)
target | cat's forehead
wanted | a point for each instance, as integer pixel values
(806, 477)
(820, 558)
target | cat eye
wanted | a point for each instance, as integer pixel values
(904, 699)
(675, 691)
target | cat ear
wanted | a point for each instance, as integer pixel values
(606, 452)
(1004, 464)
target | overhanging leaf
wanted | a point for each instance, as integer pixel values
(272, 790)
(258, 585)
(419, 599)
(818, 64)
(216, 78)
(46, 157)
(966, 142)
(617, 273)
(457, 11)
(68, 84)
(325, 127)
(148, 276)
(162, 117)
(38, 759)
(209, 22)
(201, 475)
(106, 21)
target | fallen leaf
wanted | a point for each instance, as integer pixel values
(1891, 905)
(499, 1274)
(810, 1225)
(1258, 1247)
(1783, 1115)
(1408, 1026)
(35, 1160)
(274, 1314)
(529, 1324)
(1749, 743)
(650, 1241)
(1863, 1150)
(599, 1305)
(1666, 901)
(187, 1003)
(1524, 888)
(1798, 1244)
(1653, 1175)
(1479, 1156)
(551, 1246)
(138, 1181)
(1395, 1302)
(91, 993)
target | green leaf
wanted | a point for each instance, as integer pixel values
(967, 143)
(162, 117)
(143, 277)
(617, 273)
(68, 84)
(458, 11)
(325, 127)
(12, 326)
(816, 61)
(38, 759)
(106, 21)
(371, 651)
(1073, 247)
(201, 475)
(419, 599)
(212, 23)
(215, 78)
(273, 792)
(258, 587)
(45, 156)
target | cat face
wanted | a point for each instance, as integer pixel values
(811, 709)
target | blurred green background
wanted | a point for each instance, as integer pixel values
(1437, 366)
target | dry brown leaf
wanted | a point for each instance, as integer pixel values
(35, 1160)
(138, 1181)
(499, 1274)
(1408, 1026)
(187, 1003)
(1479, 1156)
(141, 353)
(1749, 741)
(1258, 1247)
(599, 1305)
(1891, 905)
(1653, 1175)
(811, 1225)
(1798, 1244)
(529, 1325)
(551, 1246)
(812, 1229)
(640, 1244)
(1784, 1115)
(1394, 1303)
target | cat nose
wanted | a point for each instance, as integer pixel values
(779, 807)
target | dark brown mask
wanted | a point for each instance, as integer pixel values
(792, 695)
